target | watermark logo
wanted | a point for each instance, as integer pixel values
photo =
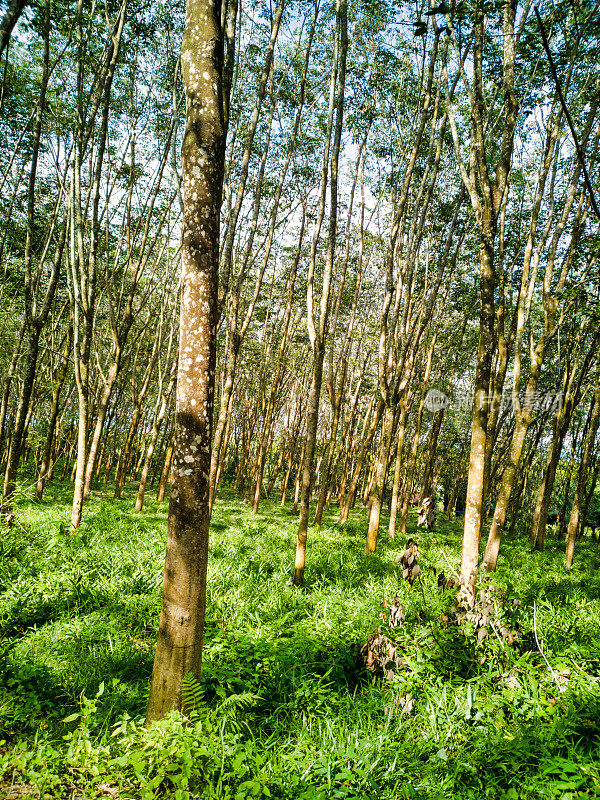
(543, 401)
(436, 400)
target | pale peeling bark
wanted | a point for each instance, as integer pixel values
(181, 627)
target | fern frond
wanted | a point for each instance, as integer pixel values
(191, 694)
(236, 701)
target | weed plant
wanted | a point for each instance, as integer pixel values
(285, 707)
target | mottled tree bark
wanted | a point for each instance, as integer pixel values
(181, 626)
(380, 470)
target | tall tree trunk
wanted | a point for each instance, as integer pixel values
(8, 379)
(488, 197)
(100, 417)
(164, 475)
(54, 412)
(544, 493)
(156, 426)
(17, 439)
(35, 318)
(576, 519)
(348, 499)
(276, 384)
(318, 330)
(181, 626)
(379, 472)
(83, 267)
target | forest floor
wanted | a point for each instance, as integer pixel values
(451, 708)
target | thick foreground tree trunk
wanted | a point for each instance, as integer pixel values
(181, 627)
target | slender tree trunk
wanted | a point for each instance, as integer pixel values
(275, 386)
(544, 494)
(83, 267)
(307, 472)
(576, 519)
(8, 379)
(298, 483)
(348, 500)
(430, 458)
(100, 417)
(17, 439)
(127, 451)
(508, 476)
(47, 463)
(156, 426)
(318, 332)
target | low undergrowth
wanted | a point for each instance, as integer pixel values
(359, 685)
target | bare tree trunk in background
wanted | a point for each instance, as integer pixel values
(373, 421)
(164, 475)
(276, 383)
(379, 472)
(156, 426)
(36, 310)
(551, 298)
(412, 459)
(83, 267)
(237, 333)
(576, 369)
(318, 332)
(57, 386)
(432, 443)
(487, 196)
(576, 519)
(8, 379)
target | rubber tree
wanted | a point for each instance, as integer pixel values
(487, 184)
(83, 260)
(181, 626)
(317, 328)
(554, 311)
(38, 290)
(577, 518)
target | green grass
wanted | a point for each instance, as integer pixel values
(286, 707)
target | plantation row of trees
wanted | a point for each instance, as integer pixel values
(374, 202)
